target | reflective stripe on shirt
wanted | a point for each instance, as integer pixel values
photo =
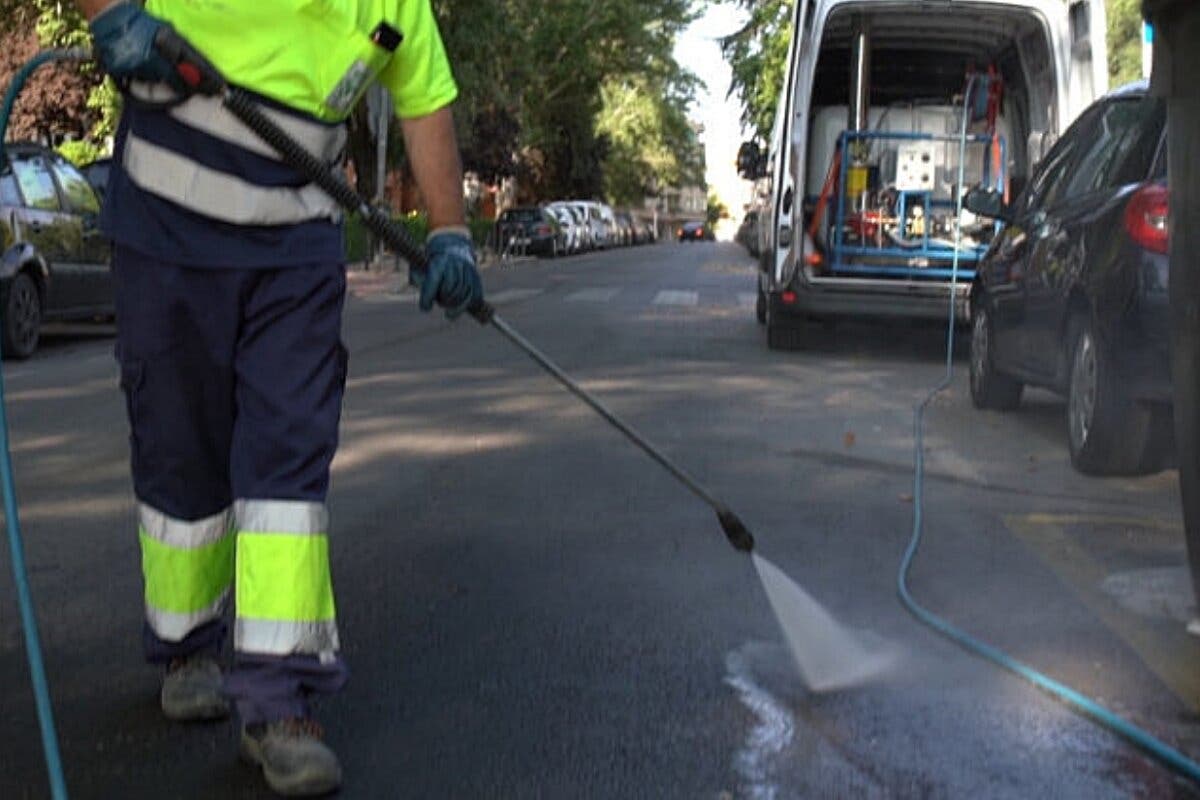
(208, 114)
(219, 195)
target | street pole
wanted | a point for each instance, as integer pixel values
(1176, 62)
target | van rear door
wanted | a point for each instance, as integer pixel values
(788, 167)
(1088, 75)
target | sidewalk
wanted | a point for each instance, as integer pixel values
(390, 275)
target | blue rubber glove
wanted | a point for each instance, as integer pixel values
(452, 279)
(123, 36)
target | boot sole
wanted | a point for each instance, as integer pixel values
(199, 712)
(289, 786)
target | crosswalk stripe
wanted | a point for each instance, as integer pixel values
(598, 294)
(513, 296)
(676, 298)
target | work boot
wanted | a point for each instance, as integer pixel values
(191, 690)
(294, 760)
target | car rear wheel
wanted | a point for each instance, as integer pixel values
(1108, 433)
(989, 389)
(760, 306)
(22, 318)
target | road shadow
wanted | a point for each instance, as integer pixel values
(918, 340)
(59, 337)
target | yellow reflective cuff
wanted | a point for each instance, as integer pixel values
(283, 577)
(185, 581)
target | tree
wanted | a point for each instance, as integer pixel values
(59, 102)
(1124, 41)
(757, 55)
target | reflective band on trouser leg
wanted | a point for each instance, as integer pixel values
(284, 595)
(188, 569)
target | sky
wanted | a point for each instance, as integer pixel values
(697, 49)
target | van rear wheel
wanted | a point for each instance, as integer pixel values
(783, 333)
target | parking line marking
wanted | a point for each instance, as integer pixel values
(676, 298)
(1172, 658)
(597, 294)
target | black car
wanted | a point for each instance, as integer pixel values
(694, 232)
(1072, 294)
(531, 230)
(54, 262)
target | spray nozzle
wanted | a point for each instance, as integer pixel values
(736, 531)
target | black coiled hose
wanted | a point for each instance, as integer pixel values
(242, 105)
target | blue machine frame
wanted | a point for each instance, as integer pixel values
(841, 253)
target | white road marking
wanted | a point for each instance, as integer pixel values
(676, 298)
(598, 294)
(774, 730)
(747, 299)
(513, 295)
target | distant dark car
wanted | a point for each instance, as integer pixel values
(1072, 294)
(532, 230)
(694, 232)
(54, 262)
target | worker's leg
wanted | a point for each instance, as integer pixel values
(174, 343)
(291, 370)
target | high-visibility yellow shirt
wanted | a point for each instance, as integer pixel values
(297, 51)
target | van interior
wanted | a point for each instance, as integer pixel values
(890, 90)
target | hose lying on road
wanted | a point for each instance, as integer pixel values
(33, 646)
(1167, 755)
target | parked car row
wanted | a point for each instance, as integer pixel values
(567, 227)
(54, 261)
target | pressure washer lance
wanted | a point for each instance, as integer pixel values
(202, 77)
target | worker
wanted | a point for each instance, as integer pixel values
(229, 276)
(1176, 61)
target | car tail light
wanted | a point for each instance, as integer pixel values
(788, 297)
(700, 231)
(542, 230)
(1146, 217)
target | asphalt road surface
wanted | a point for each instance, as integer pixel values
(532, 608)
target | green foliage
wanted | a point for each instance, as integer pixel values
(481, 230)
(651, 143)
(1124, 41)
(81, 152)
(355, 239)
(533, 76)
(417, 225)
(715, 211)
(757, 55)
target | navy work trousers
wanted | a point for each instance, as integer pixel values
(233, 380)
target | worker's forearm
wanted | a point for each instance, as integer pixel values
(90, 8)
(433, 153)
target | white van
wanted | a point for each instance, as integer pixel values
(860, 185)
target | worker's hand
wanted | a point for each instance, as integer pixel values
(452, 279)
(123, 35)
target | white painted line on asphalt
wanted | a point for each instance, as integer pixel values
(747, 299)
(773, 731)
(513, 295)
(676, 298)
(598, 294)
